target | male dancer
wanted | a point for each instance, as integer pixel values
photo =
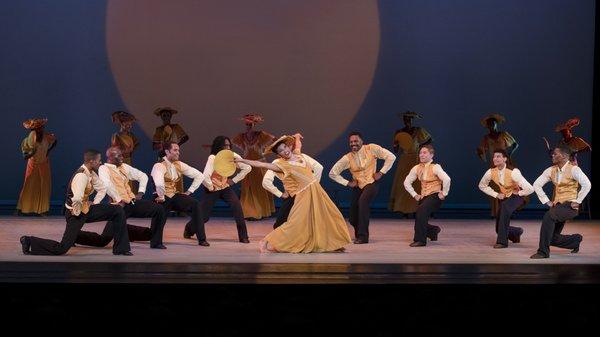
(435, 185)
(362, 162)
(513, 190)
(79, 211)
(116, 176)
(571, 186)
(167, 174)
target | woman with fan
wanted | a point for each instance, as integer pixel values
(314, 223)
(219, 179)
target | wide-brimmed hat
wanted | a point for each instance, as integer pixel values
(410, 114)
(497, 117)
(122, 117)
(252, 118)
(166, 108)
(35, 123)
(289, 140)
(571, 123)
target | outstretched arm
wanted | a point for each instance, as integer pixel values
(256, 163)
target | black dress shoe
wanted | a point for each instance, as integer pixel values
(576, 249)
(203, 243)
(245, 240)
(158, 246)
(499, 245)
(434, 236)
(128, 253)
(360, 241)
(418, 244)
(187, 235)
(516, 238)
(538, 256)
(25, 245)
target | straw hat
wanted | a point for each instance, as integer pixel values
(161, 109)
(289, 140)
(122, 117)
(571, 123)
(252, 119)
(497, 117)
(35, 123)
(410, 114)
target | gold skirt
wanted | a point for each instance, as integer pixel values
(35, 195)
(314, 225)
(256, 201)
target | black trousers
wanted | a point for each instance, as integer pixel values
(425, 208)
(114, 214)
(229, 196)
(284, 211)
(506, 208)
(137, 209)
(552, 226)
(184, 203)
(360, 209)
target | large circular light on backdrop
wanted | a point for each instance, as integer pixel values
(306, 66)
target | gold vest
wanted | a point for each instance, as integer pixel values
(89, 189)
(171, 182)
(363, 174)
(295, 178)
(219, 182)
(508, 186)
(567, 189)
(431, 184)
(120, 182)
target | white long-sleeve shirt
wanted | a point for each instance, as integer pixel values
(437, 170)
(577, 174)
(79, 183)
(209, 169)
(269, 177)
(132, 174)
(517, 177)
(159, 170)
(344, 163)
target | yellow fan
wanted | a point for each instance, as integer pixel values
(224, 164)
(404, 141)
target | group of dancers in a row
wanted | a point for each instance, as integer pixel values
(308, 220)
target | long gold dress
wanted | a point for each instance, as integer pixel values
(400, 199)
(314, 224)
(256, 201)
(35, 194)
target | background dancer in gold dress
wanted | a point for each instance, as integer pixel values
(256, 202)
(407, 142)
(35, 194)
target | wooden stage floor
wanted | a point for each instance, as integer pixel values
(463, 254)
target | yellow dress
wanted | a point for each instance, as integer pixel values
(400, 199)
(35, 194)
(256, 201)
(314, 224)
